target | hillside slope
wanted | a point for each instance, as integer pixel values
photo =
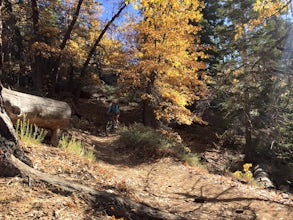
(165, 183)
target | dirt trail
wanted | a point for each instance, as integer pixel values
(166, 184)
(191, 192)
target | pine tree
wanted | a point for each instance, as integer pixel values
(247, 73)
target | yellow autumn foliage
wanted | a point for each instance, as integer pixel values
(168, 57)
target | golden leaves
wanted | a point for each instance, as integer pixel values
(265, 10)
(166, 49)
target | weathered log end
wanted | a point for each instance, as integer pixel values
(262, 177)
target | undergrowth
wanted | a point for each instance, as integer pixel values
(71, 144)
(142, 138)
(29, 133)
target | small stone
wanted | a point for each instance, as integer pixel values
(285, 195)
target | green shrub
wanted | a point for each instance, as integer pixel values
(29, 133)
(142, 138)
(75, 146)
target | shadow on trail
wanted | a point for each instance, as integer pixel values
(216, 199)
(110, 150)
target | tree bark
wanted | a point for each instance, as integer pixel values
(9, 146)
(36, 69)
(70, 27)
(55, 70)
(93, 49)
(249, 150)
(149, 118)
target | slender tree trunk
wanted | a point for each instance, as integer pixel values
(36, 66)
(149, 118)
(71, 25)
(55, 70)
(249, 150)
(35, 17)
(93, 49)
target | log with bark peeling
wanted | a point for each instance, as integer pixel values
(44, 112)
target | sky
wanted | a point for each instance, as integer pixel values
(110, 7)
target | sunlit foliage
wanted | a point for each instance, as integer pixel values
(265, 9)
(168, 58)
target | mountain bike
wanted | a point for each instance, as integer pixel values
(111, 126)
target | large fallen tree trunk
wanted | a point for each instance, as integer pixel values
(14, 162)
(44, 112)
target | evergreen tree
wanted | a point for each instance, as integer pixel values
(246, 73)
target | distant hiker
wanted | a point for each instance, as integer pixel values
(114, 112)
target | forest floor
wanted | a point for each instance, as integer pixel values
(164, 183)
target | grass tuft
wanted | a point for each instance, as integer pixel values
(30, 133)
(71, 144)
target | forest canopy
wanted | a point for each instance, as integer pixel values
(179, 59)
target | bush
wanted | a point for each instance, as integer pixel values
(29, 133)
(141, 138)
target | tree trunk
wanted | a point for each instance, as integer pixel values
(36, 65)
(249, 151)
(55, 70)
(70, 27)
(93, 49)
(149, 118)
(44, 112)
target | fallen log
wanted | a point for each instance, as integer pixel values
(262, 177)
(44, 112)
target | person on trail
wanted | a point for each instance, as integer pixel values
(114, 112)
